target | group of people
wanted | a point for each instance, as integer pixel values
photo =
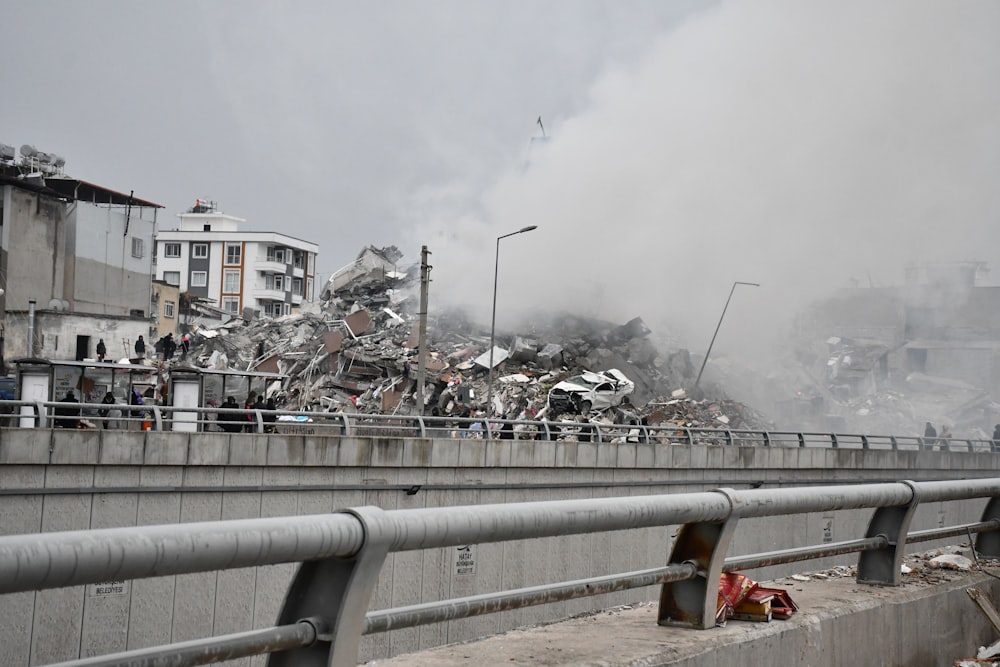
(232, 421)
(165, 347)
(932, 437)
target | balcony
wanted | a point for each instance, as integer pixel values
(261, 293)
(266, 266)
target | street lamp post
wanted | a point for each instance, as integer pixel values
(717, 326)
(493, 322)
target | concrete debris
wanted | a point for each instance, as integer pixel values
(988, 652)
(359, 351)
(951, 562)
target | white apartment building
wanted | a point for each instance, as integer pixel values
(209, 257)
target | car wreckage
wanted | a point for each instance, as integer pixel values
(590, 391)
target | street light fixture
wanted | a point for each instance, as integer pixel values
(493, 323)
(705, 360)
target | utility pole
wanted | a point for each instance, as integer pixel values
(425, 270)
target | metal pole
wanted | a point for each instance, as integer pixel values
(422, 349)
(493, 321)
(717, 326)
(31, 328)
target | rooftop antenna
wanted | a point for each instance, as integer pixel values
(539, 121)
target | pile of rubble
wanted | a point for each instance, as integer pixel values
(358, 351)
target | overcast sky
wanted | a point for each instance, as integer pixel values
(692, 144)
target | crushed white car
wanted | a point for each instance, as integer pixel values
(590, 391)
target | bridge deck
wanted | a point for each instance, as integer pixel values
(928, 620)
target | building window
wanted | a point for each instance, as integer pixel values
(199, 278)
(233, 253)
(309, 289)
(168, 308)
(275, 254)
(199, 250)
(274, 281)
(288, 308)
(297, 286)
(299, 261)
(310, 265)
(172, 277)
(231, 304)
(136, 247)
(171, 249)
(231, 281)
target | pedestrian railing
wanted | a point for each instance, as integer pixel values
(325, 610)
(46, 414)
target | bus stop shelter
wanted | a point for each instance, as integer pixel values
(47, 380)
(192, 387)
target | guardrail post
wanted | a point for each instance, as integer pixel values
(833, 440)
(883, 566)
(692, 603)
(157, 417)
(334, 594)
(729, 437)
(802, 439)
(988, 543)
(864, 441)
(347, 423)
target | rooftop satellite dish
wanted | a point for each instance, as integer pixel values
(55, 304)
(28, 151)
(59, 161)
(7, 152)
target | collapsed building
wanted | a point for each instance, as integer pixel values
(888, 359)
(357, 350)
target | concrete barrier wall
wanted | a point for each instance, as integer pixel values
(69, 480)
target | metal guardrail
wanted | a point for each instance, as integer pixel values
(325, 612)
(34, 414)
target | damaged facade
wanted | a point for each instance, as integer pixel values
(77, 261)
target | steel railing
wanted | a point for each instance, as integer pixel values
(325, 612)
(34, 414)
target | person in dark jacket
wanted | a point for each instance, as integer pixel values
(102, 350)
(270, 417)
(68, 416)
(930, 435)
(109, 399)
(230, 422)
(140, 348)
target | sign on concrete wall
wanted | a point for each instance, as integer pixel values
(465, 560)
(107, 589)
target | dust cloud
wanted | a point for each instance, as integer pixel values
(802, 146)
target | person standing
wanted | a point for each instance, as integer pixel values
(109, 399)
(270, 417)
(930, 435)
(68, 416)
(140, 348)
(943, 438)
(231, 420)
(185, 346)
(102, 350)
